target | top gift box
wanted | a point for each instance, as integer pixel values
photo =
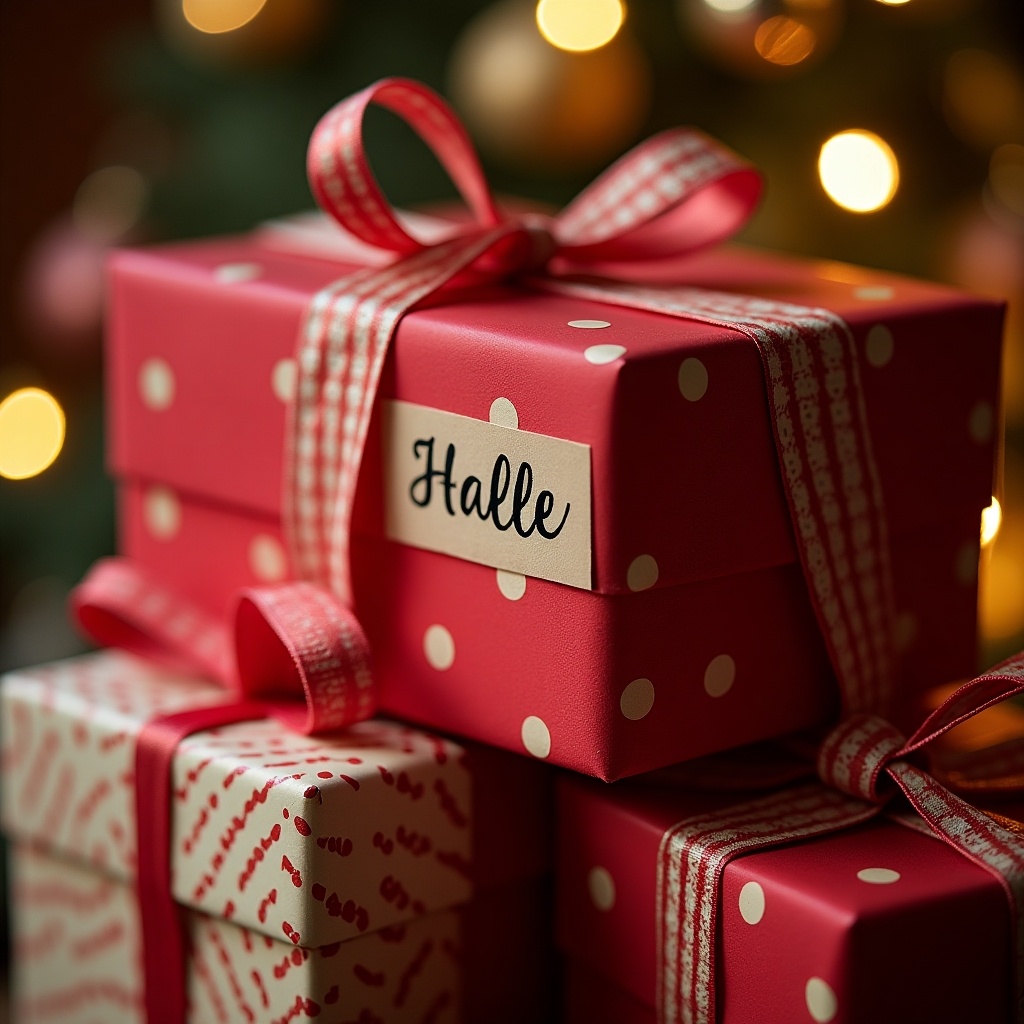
(571, 532)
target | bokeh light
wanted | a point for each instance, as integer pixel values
(109, 203)
(991, 520)
(31, 432)
(983, 95)
(858, 171)
(730, 6)
(540, 108)
(894, 3)
(784, 41)
(217, 16)
(579, 25)
(763, 39)
(1006, 178)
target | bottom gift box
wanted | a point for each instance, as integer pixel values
(877, 924)
(77, 950)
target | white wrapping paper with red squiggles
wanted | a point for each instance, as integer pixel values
(307, 840)
(77, 948)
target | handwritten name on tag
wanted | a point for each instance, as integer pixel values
(490, 494)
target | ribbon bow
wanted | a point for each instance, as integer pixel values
(676, 192)
(863, 763)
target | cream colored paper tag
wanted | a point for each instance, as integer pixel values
(490, 494)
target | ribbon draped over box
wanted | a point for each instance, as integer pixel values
(863, 765)
(299, 644)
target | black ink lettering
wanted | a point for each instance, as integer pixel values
(545, 504)
(502, 468)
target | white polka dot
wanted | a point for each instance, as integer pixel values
(966, 567)
(283, 379)
(751, 902)
(589, 325)
(439, 647)
(601, 354)
(267, 558)
(878, 347)
(536, 737)
(905, 631)
(602, 888)
(693, 379)
(821, 1000)
(875, 291)
(236, 273)
(156, 384)
(511, 584)
(161, 512)
(637, 699)
(503, 412)
(719, 675)
(980, 423)
(642, 573)
(878, 876)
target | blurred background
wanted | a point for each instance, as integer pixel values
(130, 121)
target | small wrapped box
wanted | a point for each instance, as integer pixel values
(670, 617)
(76, 941)
(338, 864)
(875, 924)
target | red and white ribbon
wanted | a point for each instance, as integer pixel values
(291, 647)
(676, 192)
(862, 765)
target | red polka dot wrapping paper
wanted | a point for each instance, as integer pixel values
(878, 924)
(77, 948)
(698, 634)
(309, 841)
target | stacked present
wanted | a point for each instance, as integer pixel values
(618, 507)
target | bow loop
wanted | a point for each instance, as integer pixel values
(292, 647)
(676, 192)
(344, 186)
(855, 755)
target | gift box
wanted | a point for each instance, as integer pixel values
(305, 843)
(677, 622)
(76, 958)
(876, 923)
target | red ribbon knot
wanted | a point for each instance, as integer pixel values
(855, 754)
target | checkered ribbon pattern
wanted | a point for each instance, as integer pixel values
(675, 193)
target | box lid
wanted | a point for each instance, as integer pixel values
(684, 479)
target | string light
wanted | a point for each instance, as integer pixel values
(729, 6)
(31, 432)
(784, 41)
(858, 171)
(579, 25)
(217, 16)
(991, 520)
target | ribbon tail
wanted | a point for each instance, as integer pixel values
(121, 604)
(977, 836)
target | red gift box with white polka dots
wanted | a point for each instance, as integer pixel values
(305, 842)
(879, 924)
(697, 634)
